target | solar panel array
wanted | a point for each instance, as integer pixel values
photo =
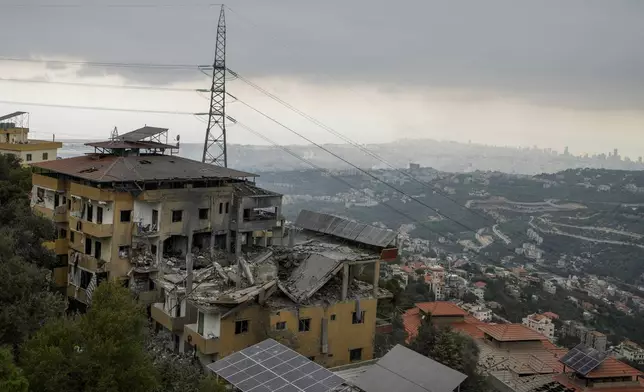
(272, 367)
(583, 359)
(344, 228)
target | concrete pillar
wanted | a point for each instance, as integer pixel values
(212, 244)
(345, 281)
(376, 277)
(228, 241)
(240, 220)
(265, 239)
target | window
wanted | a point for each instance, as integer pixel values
(124, 251)
(56, 199)
(63, 233)
(356, 319)
(71, 236)
(88, 246)
(177, 215)
(69, 204)
(79, 226)
(221, 208)
(333, 317)
(155, 218)
(200, 322)
(86, 277)
(97, 250)
(90, 212)
(241, 326)
(126, 215)
(227, 205)
(304, 325)
(28, 158)
(203, 213)
(355, 354)
(153, 249)
(280, 326)
(99, 214)
(45, 156)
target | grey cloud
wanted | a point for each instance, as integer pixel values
(574, 53)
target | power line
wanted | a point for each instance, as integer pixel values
(97, 5)
(351, 164)
(115, 86)
(195, 67)
(96, 108)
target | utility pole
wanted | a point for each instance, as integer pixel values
(214, 149)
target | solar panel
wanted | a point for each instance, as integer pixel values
(583, 359)
(272, 367)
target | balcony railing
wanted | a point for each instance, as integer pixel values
(77, 293)
(86, 261)
(97, 230)
(205, 345)
(145, 230)
(174, 324)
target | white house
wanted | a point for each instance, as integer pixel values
(541, 324)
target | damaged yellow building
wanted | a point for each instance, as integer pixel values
(132, 205)
(316, 291)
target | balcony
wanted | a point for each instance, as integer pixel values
(207, 346)
(256, 223)
(90, 192)
(96, 230)
(145, 230)
(148, 297)
(59, 247)
(77, 293)
(48, 182)
(58, 214)
(88, 262)
(174, 324)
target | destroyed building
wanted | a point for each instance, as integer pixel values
(133, 207)
(316, 291)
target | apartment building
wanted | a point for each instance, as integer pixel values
(316, 291)
(630, 351)
(14, 139)
(132, 207)
(541, 324)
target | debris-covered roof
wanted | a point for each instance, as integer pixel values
(112, 168)
(344, 228)
(11, 115)
(250, 190)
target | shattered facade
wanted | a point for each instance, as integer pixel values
(316, 292)
(132, 209)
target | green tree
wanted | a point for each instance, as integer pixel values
(470, 298)
(11, 377)
(101, 351)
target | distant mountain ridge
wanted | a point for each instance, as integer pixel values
(441, 155)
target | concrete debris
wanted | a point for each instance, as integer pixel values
(246, 269)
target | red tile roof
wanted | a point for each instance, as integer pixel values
(551, 316)
(411, 320)
(469, 328)
(612, 367)
(511, 332)
(441, 309)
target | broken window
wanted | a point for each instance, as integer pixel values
(153, 249)
(90, 212)
(200, 323)
(124, 251)
(126, 215)
(241, 326)
(358, 319)
(40, 195)
(227, 205)
(155, 219)
(86, 277)
(71, 236)
(88, 246)
(221, 208)
(203, 213)
(333, 317)
(97, 249)
(56, 199)
(99, 215)
(304, 325)
(177, 215)
(280, 326)
(355, 354)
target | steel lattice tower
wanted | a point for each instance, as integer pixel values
(214, 149)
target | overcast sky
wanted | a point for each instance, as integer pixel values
(505, 72)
